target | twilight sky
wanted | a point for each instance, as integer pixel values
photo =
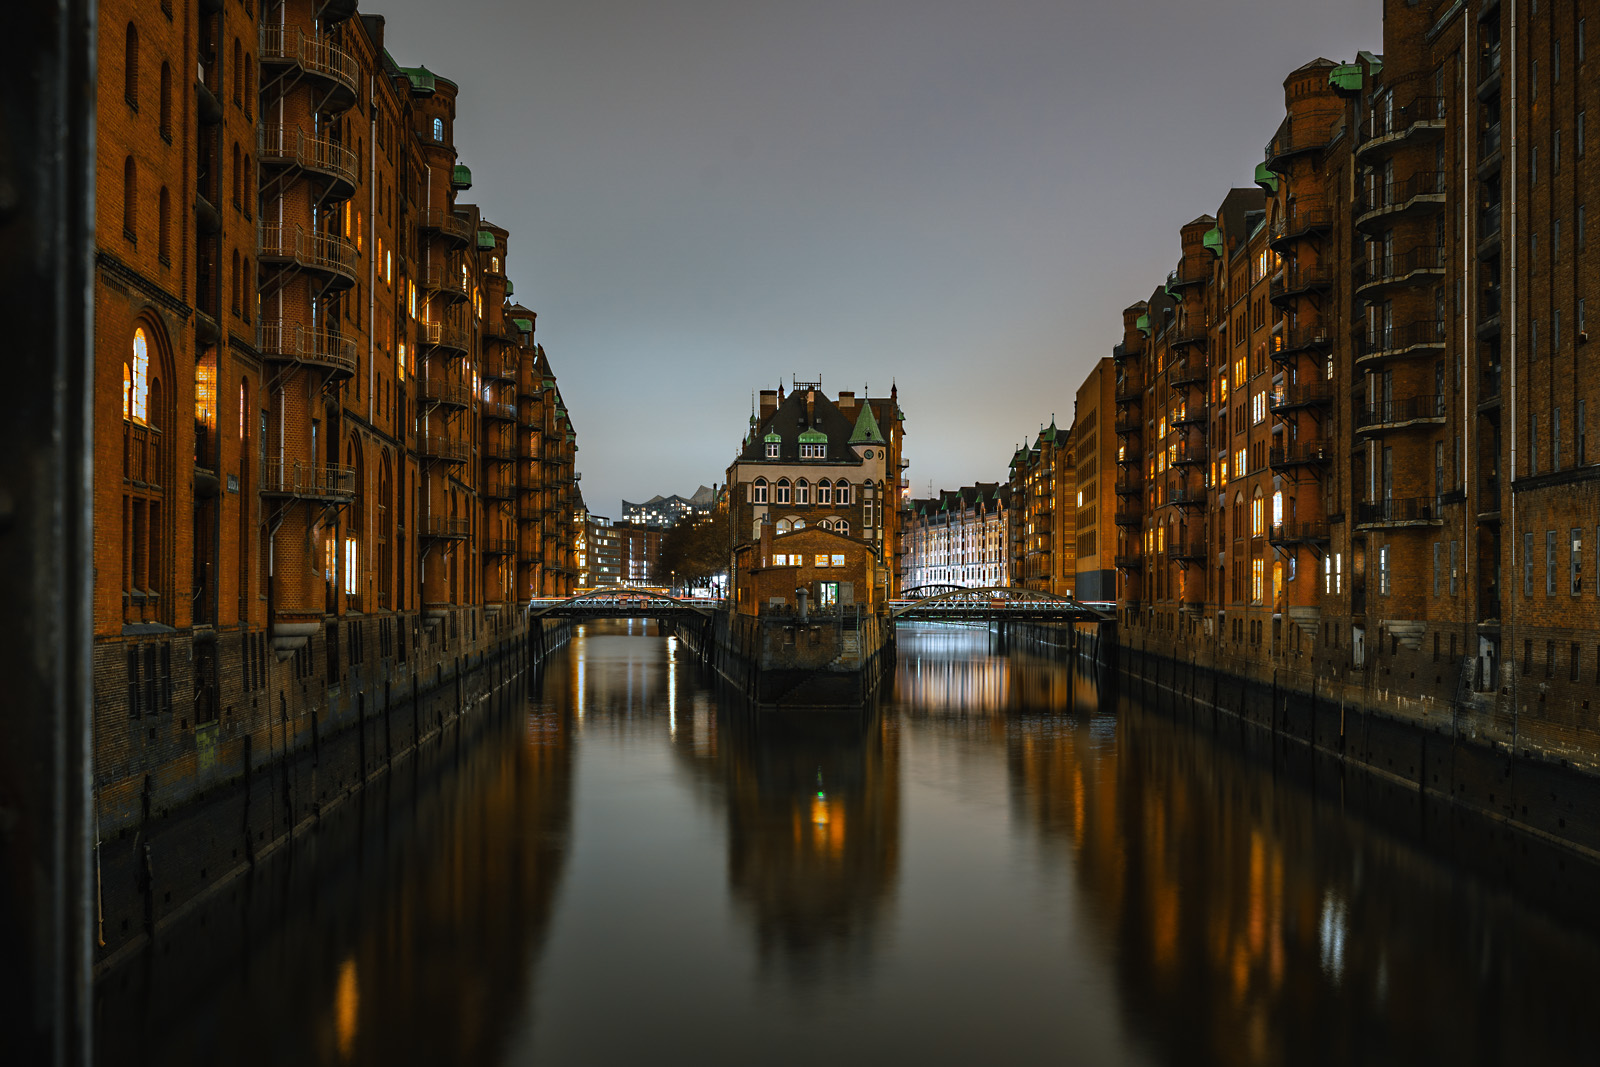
(708, 196)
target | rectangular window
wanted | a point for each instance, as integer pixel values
(838, 560)
(1258, 579)
(1438, 549)
(1338, 572)
(1383, 570)
(820, 560)
(1549, 563)
(1575, 562)
(1527, 564)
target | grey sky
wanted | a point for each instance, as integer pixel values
(705, 196)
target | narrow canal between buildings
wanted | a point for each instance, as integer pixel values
(1002, 866)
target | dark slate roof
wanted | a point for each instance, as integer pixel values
(791, 419)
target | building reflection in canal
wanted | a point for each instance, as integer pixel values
(403, 931)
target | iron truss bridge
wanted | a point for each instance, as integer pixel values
(622, 603)
(941, 603)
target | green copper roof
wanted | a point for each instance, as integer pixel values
(422, 80)
(1346, 78)
(1142, 323)
(462, 178)
(526, 326)
(771, 437)
(510, 287)
(1213, 241)
(866, 431)
(573, 437)
(549, 383)
(813, 437)
(485, 239)
(1266, 179)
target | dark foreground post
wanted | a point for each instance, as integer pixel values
(46, 239)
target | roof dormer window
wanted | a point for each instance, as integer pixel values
(772, 441)
(813, 445)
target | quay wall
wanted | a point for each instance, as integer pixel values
(783, 662)
(185, 809)
(1426, 738)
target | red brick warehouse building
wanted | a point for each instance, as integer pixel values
(328, 449)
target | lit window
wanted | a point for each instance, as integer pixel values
(438, 130)
(1258, 579)
(1277, 508)
(1258, 513)
(838, 559)
(350, 575)
(135, 403)
(820, 560)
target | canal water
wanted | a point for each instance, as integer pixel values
(1002, 865)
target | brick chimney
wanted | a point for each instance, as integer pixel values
(766, 540)
(769, 402)
(847, 398)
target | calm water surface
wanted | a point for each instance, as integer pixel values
(1000, 866)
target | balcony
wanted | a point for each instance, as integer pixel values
(449, 283)
(1187, 277)
(1128, 563)
(319, 60)
(336, 165)
(1299, 339)
(1190, 454)
(1191, 415)
(1286, 534)
(1420, 266)
(1185, 496)
(1294, 281)
(307, 481)
(444, 337)
(1422, 193)
(499, 546)
(1129, 513)
(1489, 388)
(1389, 125)
(1412, 339)
(141, 454)
(1130, 387)
(293, 343)
(439, 528)
(502, 368)
(456, 229)
(331, 257)
(1303, 222)
(1387, 415)
(1300, 395)
(1191, 370)
(442, 393)
(1191, 551)
(1290, 143)
(1127, 422)
(498, 489)
(502, 451)
(441, 447)
(1398, 513)
(1313, 453)
(499, 411)
(1185, 336)
(1129, 486)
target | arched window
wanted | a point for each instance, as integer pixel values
(166, 102)
(238, 68)
(130, 198)
(130, 67)
(783, 526)
(248, 184)
(238, 178)
(494, 264)
(758, 491)
(841, 492)
(247, 292)
(824, 492)
(1258, 514)
(249, 84)
(438, 130)
(783, 491)
(1238, 515)
(136, 379)
(164, 234)
(234, 288)
(840, 526)
(799, 524)
(802, 492)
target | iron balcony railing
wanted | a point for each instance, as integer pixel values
(289, 146)
(321, 252)
(1191, 415)
(292, 342)
(1299, 339)
(1392, 120)
(445, 528)
(1129, 512)
(499, 546)
(1427, 334)
(443, 393)
(1289, 533)
(1299, 222)
(317, 57)
(1419, 263)
(451, 282)
(1299, 454)
(1186, 276)
(1388, 198)
(1129, 486)
(1411, 509)
(450, 224)
(1184, 551)
(141, 454)
(1291, 142)
(1400, 411)
(496, 449)
(1191, 370)
(443, 336)
(1300, 395)
(439, 446)
(1185, 335)
(1130, 387)
(1128, 562)
(500, 410)
(312, 481)
(1293, 280)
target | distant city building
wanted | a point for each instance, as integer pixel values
(639, 548)
(599, 553)
(1042, 557)
(958, 537)
(664, 511)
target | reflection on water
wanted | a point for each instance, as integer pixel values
(997, 865)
